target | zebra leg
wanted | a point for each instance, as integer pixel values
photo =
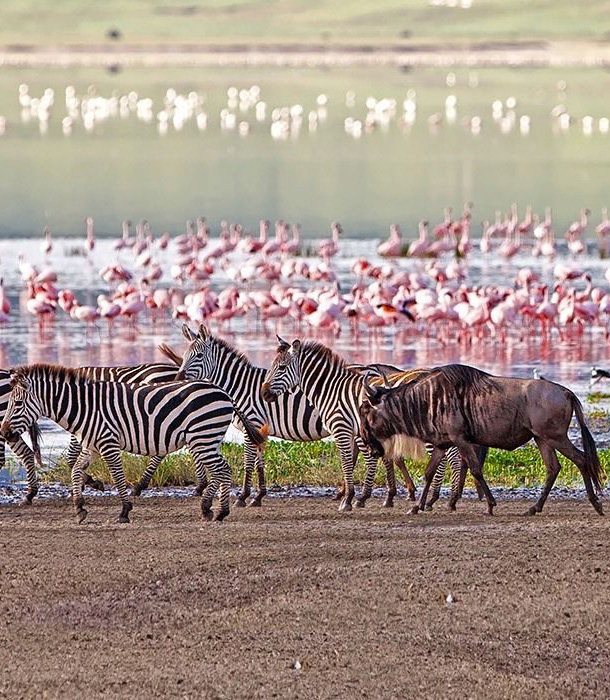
(149, 472)
(390, 478)
(370, 463)
(77, 491)
(345, 445)
(25, 454)
(2, 453)
(209, 457)
(437, 483)
(250, 455)
(260, 469)
(111, 454)
(74, 452)
(458, 478)
(340, 495)
(435, 460)
(402, 467)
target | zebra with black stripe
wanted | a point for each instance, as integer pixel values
(20, 449)
(336, 391)
(292, 417)
(147, 419)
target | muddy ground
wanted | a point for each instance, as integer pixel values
(296, 601)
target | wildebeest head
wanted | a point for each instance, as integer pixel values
(285, 372)
(197, 361)
(23, 409)
(372, 423)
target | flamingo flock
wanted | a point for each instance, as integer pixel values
(274, 279)
(245, 108)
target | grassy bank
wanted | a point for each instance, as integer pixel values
(317, 463)
(168, 23)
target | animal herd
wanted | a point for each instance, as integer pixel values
(308, 393)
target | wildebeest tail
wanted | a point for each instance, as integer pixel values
(258, 437)
(170, 354)
(592, 464)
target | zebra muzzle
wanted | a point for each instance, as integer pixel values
(7, 432)
(267, 394)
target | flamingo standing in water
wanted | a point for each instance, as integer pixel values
(90, 242)
(329, 248)
(47, 245)
(5, 304)
(421, 246)
(574, 233)
(393, 246)
(603, 230)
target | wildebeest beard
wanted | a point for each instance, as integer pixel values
(366, 431)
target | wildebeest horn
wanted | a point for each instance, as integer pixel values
(385, 379)
(369, 390)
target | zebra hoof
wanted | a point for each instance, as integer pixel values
(207, 514)
(428, 507)
(532, 510)
(411, 495)
(598, 507)
(29, 497)
(254, 503)
(137, 490)
(124, 519)
(451, 507)
(81, 515)
(97, 485)
(388, 504)
(338, 496)
(414, 510)
(345, 507)
(220, 516)
(239, 503)
(360, 503)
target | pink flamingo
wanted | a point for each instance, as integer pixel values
(393, 246)
(329, 248)
(421, 246)
(90, 242)
(603, 230)
(5, 304)
(293, 247)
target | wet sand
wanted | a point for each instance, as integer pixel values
(294, 600)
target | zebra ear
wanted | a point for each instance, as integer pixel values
(283, 345)
(203, 331)
(296, 346)
(188, 333)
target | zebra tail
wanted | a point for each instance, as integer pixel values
(172, 355)
(258, 437)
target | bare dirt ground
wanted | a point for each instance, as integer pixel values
(172, 606)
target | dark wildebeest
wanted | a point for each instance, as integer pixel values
(463, 406)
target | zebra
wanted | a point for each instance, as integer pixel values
(145, 419)
(149, 373)
(291, 418)
(336, 391)
(28, 456)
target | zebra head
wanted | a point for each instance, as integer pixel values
(198, 360)
(23, 408)
(285, 372)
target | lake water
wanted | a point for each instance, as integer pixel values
(123, 167)
(400, 172)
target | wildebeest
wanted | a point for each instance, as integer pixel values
(464, 406)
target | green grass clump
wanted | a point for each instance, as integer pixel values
(597, 396)
(318, 464)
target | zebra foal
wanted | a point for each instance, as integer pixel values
(108, 417)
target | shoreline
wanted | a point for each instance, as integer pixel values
(524, 54)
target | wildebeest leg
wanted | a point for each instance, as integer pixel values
(400, 463)
(435, 460)
(552, 471)
(437, 483)
(260, 470)
(568, 450)
(345, 445)
(390, 478)
(474, 463)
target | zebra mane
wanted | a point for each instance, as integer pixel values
(225, 345)
(313, 347)
(23, 372)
